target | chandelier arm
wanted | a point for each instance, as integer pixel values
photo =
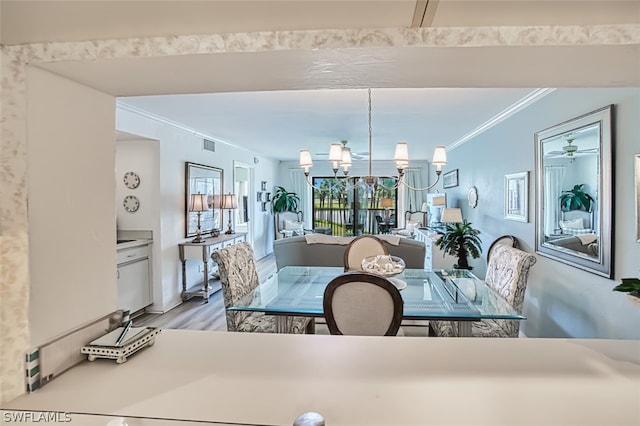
(421, 189)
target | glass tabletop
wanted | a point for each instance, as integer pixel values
(452, 295)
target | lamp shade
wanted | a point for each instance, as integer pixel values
(198, 203)
(386, 202)
(346, 157)
(402, 153)
(451, 215)
(439, 200)
(305, 158)
(439, 156)
(424, 208)
(335, 152)
(229, 201)
(216, 201)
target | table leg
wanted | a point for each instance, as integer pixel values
(205, 284)
(183, 296)
(284, 323)
(464, 328)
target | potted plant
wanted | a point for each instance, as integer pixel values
(461, 240)
(284, 201)
(631, 286)
(575, 199)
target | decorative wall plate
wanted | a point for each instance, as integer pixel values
(472, 196)
(131, 203)
(131, 180)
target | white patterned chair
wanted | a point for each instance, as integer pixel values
(362, 304)
(507, 275)
(238, 278)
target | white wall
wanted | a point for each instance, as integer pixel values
(72, 258)
(143, 158)
(561, 301)
(176, 147)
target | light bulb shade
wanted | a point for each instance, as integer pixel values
(439, 156)
(424, 208)
(386, 202)
(229, 201)
(346, 157)
(305, 158)
(451, 215)
(335, 152)
(198, 203)
(401, 156)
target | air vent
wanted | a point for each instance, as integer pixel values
(208, 145)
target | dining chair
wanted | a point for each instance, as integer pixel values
(362, 304)
(509, 240)
(360, 247)
(238, 278)
(507, 275)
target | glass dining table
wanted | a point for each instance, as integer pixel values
(451, 295)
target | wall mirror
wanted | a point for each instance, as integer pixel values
(204, 180)
(574, 210)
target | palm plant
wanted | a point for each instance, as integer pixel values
(284, 201)
(461, 240)
(630, 286)
(575, 199)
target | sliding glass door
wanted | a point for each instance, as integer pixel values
(347, 207)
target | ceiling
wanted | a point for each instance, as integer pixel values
(275, 115)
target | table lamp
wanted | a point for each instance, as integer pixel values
(386, 203)
(229, 202)
(198, 204)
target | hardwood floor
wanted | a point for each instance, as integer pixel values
(194, 314)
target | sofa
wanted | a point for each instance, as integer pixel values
(325, 250)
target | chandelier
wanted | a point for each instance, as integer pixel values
(340, 157)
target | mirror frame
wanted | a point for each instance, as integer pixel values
(207, 180)
(603, 263)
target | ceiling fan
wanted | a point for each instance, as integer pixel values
(354, 155)
(569, 149)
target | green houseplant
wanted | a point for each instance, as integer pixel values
(461, 240)
(284, 201)
(630, 286)
(575, 199)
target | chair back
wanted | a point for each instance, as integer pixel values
(288, 224)
(507, 275)
(238, 277)
(508, 240)
(418, 219)
(362, 304)
(361, 247)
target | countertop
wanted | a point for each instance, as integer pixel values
(269, 379)
(132, 243)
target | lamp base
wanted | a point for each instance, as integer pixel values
(198, 239)
(230, 231)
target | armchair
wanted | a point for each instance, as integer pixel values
(289, 224)
(411, 221)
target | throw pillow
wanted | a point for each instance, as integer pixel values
(297, 228)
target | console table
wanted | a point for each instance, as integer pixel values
(202, 251)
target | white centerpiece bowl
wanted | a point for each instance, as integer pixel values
(383, 264)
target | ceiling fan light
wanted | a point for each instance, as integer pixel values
(335, 153)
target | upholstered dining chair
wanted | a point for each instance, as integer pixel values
(238, 277)
(363, 304)
(508, 240)
(507, 275)
(360, 247)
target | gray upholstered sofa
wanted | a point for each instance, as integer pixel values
(295, 251)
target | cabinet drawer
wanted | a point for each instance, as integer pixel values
(134, 253)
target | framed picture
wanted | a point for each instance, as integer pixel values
(450, 179)
(516, 197)
(201, 179)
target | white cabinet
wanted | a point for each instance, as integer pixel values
(134, 284)
(433, 258)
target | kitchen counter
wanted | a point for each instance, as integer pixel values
(269, 379)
